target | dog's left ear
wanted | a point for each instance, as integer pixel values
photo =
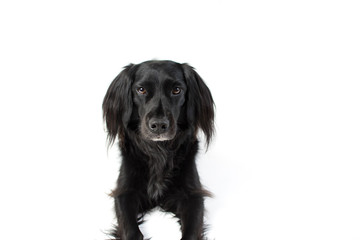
(200, 104)
(118, 103)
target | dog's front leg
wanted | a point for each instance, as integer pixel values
(191, 218)
(127, 207)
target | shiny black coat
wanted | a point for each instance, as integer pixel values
(156, 109)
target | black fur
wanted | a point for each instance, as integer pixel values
(156, 109)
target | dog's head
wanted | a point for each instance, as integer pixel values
(157, 100)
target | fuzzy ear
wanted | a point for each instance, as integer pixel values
(200, 106)
(118, 103)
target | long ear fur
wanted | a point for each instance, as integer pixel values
(117, 104)
(200, 107)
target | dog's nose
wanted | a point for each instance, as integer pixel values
(158, 125)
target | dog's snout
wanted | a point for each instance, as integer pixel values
(158, 126)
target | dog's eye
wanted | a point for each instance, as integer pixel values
(176, 91)
(141, 90)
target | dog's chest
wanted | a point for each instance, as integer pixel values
(160, 177)
(156, 188)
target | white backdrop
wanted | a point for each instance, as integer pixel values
(285, 77)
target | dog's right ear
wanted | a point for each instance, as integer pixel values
(118, 103)
(200, 109)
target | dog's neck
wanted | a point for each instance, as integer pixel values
(159, 157)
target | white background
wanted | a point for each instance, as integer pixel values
(285, 77)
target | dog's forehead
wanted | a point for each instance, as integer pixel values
(159, 71)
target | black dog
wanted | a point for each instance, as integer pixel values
(156, 109)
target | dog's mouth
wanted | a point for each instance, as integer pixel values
(160, 138)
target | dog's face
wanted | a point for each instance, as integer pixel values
(158, 91)
(156, 100)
